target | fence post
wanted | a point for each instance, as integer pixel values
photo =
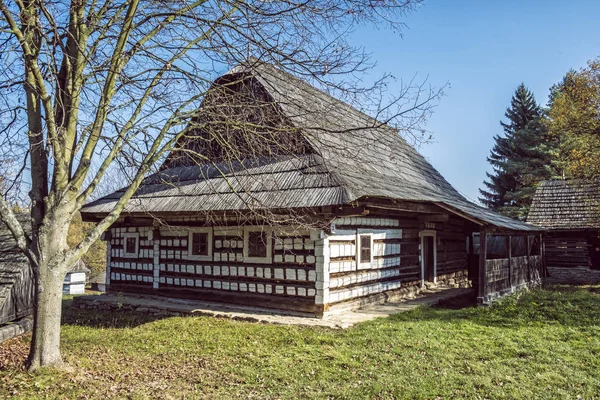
(509, 253)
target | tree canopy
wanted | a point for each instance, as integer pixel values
(574, 122)
(519, 157)
(90, 86)
(562, 140)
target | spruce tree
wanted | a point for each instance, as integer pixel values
(519, 158)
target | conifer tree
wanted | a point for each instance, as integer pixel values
(519, 158)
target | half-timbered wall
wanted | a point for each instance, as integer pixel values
(304, 270)
(163, 264)
(348, 277)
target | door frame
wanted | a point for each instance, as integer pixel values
(422, 234)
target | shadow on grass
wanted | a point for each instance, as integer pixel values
(564, 305)
(105, 318)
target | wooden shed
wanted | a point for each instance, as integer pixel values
(16, 278)
(569, 209)
(322, 207)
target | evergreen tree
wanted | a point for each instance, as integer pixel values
(520, 158)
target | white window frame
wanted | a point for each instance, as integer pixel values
(129, 235)
(191, 232)
(258, 260)
(359, 261)
(422, 234)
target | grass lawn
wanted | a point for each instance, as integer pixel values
(539, 344)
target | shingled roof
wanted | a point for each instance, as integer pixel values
(354, 157)
(566, 204)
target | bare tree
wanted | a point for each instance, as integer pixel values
(88, 86)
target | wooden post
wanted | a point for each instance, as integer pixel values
(156, 257)
(471, 257)
(509, 253)
(543, 257)
(108, 238)
(528, 244)
(482, 272)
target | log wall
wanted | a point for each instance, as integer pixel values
(164, 267)
(306, 270)
(567, 252)
(389, 269)
(452, 256)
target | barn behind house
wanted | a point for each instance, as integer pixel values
(320, 207)
(569, 209)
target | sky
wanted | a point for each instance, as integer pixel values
(484, 50)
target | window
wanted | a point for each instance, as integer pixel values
(257, 245)
(200, 244)
(365, 249)
(131, 244)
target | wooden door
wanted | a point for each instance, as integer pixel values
(595, 252)
(428, 259)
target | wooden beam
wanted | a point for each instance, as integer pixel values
(460, 214)
(397, 205)
(349, 211)
(482, 278)
(435, 218)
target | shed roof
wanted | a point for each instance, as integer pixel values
(355, 157)
(570, 204)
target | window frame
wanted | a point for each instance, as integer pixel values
(129, 235)
(209, 232)
(258, 260)
(359, 261)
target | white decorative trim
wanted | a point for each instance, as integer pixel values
(258, 260)
(433, 234)
(208, 257)
(127, 235)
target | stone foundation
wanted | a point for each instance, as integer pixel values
(454, 280)
(573, 276)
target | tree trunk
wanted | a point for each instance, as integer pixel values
(45, 344)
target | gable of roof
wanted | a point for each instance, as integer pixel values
(355, 156)
(566, 204)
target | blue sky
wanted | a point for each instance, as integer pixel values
(484, 49)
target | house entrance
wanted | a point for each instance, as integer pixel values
(428, 259)
(595, 252)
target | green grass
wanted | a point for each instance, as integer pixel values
(539, 344)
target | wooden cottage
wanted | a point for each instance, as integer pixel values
(570, 211)
(16, 279)
(319, 207)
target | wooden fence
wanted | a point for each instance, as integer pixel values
(505, 275)
(499, 274)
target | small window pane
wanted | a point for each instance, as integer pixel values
(199, 244)
(365, 248)
(257, 244)
(130, 245)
